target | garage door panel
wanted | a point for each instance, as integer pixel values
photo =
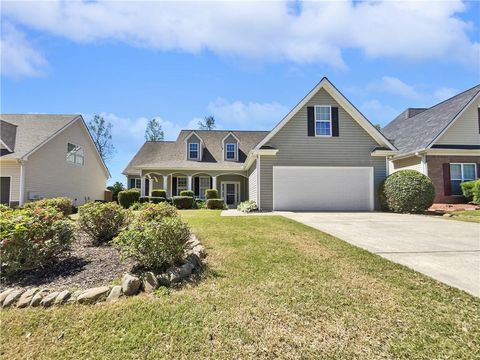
(323, 188)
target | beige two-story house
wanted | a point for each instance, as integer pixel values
(45, 156)
(323, 155)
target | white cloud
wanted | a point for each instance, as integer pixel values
(394, 86)
(316, 33)
(249, 116)
(18, 57)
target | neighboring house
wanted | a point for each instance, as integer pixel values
(44, 156)
(324, 155)
(442, 142)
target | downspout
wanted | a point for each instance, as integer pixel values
(258, 182)
(21, 199)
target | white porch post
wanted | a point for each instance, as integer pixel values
(150, 186)
(214, 182)
(142, 186)
(190, 182)
(165, 183)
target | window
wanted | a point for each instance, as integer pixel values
(204, 184)
(193, 151)
(323, 121)
(135, 183)
(231, 151)
(182, 184)
(75, 154)
(460, 173)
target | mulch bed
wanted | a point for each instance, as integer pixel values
(84, 267)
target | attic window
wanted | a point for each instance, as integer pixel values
(193, 151)
(75, 154)
(323, 121)
(231, 150)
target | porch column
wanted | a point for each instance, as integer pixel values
(190, 183)
(142, 186)
(165, 183)
(214, 182)
(150, 186)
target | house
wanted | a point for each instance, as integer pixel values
(324, 155)
(43, 156)
(442, 142)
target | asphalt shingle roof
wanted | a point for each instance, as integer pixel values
(172, 154)
(417, 132)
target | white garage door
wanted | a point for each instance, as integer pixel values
(312, 188)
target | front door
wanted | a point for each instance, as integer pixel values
(230, 193)
(5, 190)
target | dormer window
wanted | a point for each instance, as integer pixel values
(193, 151)
(231, 151)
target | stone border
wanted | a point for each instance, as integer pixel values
(131, 285)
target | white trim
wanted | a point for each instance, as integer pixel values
(436, 152)
(238, 196)
(200, 187)
(453, 121)
(230, 133)
(372, 179)
(235, 150)
(461, 171)
(382, 153)
(258, 182)
(165, 184)
(346, 105)
(6, 146)
(315, 119)
(424, 165)
(252, 155)
(179, 177)
(387, 166)
(188, 151)
(21, 196)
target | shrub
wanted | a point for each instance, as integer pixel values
(152, 199)
(127, 197)
(187, 193)
(155, 212)
(4, 208)
(211, 194)
(32, 238)
(215, 204)
(115, 189)
(200, 204)
(154, 245)
(247, 206)
(62, 204)
(101, 222)
(471, 190)
(137, 206)
(408, 191)
(159, 193)
(183, 202)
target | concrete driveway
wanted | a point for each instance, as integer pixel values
(446, 250)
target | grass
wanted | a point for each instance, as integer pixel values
(274, 289)
(467, 215)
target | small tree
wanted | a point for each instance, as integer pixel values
(115, 189)
(378, 127)
(154, 131)
(101, 131)
(207, 124)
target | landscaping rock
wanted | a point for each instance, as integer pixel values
(447, 215)
(150, 282)
(62, 297)
(193, 241)
(12, 298)
(26, 298)
(74, 296)
(4, 295)
(199, 250)
(163, 279)
(37, 298)
(115, 293)
(180, 273)
(130, 284)
(49, 300)
(194, 260)
(93, 295)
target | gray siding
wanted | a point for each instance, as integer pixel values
(237, 178)
(194, 139)
(230, 140)
(252, 182)
(465, 130)
(352, 148)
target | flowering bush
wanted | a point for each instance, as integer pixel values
(62, 204)
(101, 222)
(247, 206)
(31, 238)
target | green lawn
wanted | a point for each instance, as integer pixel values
(274, 289)
(469, 215)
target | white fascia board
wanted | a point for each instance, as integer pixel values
(382, 153)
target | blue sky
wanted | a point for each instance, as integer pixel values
(245, 63)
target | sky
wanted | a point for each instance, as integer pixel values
(245, 63)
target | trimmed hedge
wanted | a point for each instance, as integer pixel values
(183, 202)
(215, 204)
(187, 193)
(407, 191)
(159, 193)
(152, 199)
(127, 197)
(211, 194)
(471, 190)
(62, 204)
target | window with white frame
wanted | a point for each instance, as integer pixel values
(323, 120)
(460, 172)
(135, 183)
(75, 154)
(231, 150)
(193, 150)
(182, 184)
(203, 185)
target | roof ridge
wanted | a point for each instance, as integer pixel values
(218, 130)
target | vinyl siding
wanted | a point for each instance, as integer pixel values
(12, 170)
(410, 163)
(352, 148)
(230, 140)
(465, 130)
(236, 178)
(48, 174)
(252, 182)
(194, 139)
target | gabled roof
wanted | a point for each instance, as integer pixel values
(8, 134)
(347, 106)
(172, 154)
(420, 131)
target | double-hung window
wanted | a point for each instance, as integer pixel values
(135, 183)
(203, 185)
(459, 173)
(231, 150)
(75, 154)
(323, 120)
(182, 184)
(193, 151)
